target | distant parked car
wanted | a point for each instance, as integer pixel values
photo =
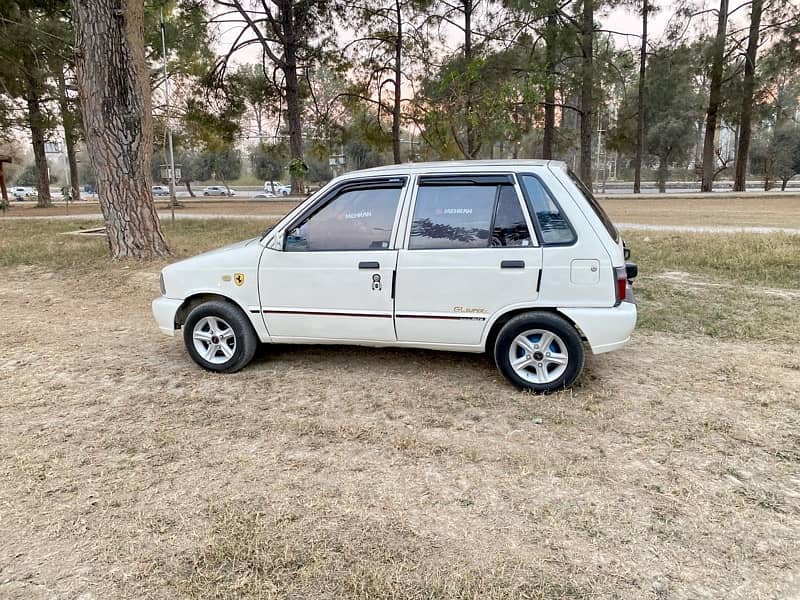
(160, 190)
(218, 190)
(263, 195)
(21, 193)
(283, 190)
(269, 186)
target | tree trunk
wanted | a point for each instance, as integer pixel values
(743, 147)
(714, 99)
(662, 174)
(473, 144)
(68, 123)
(189, 189)
(784, 181)
(114, 88)
(637, 161)
(35, 118)
(398, 81)
(293, 103)
(587, 31)
(550, 88)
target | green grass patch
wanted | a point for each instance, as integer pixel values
(721, 311)
(724, 286)
(757, 259)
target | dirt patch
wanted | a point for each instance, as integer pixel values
(671, 470)
(752, 211)
(700, 281)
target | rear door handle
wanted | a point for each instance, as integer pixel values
(512, 264)
(369, 264)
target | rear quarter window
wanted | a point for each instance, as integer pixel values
(598, 210)
(554, 228)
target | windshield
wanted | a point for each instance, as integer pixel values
(598, 210)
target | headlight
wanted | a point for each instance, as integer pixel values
(161, 284)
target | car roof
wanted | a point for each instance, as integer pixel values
(462, 166)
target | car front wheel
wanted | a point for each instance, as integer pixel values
(219, 337)
(539, 352)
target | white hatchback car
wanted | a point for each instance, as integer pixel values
(218, 190)
(515, 258)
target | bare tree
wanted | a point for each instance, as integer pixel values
(714, 98)
(288, 34)
(587, 83)
(114, 88)
(740, 170)
(637, 161)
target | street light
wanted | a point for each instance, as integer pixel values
(171, 174)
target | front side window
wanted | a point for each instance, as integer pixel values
(553, 225)
(357, 219)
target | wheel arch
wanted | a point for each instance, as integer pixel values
(194, 300)
(505, 316)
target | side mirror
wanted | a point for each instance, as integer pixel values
(276, 243)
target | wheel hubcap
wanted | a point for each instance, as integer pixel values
(214, 340)
(538, 356)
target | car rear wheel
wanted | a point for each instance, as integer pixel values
(219, 337)
(539, 352)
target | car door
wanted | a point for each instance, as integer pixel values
(469, 252)
(333, 277)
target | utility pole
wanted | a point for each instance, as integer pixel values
(172, 200)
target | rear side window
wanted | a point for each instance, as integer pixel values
(359, 219)
(509, 228)
(598, 210)
(468, 216)
(554, 227)
(458, 216)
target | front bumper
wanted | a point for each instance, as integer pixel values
(164, 311)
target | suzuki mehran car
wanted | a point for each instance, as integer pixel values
(514, 258)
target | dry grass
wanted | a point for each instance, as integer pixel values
(765, 211)
(670, 471)
(41, 243)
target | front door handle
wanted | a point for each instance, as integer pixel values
(512, 264)
(369, 264)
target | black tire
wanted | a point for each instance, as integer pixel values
(244, 336)
(566, 335)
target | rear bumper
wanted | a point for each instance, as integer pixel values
(164, 311)
(606, 329)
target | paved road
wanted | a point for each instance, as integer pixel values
(706, 228)
(164, 215)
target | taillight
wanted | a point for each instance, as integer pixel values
(621, 274)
